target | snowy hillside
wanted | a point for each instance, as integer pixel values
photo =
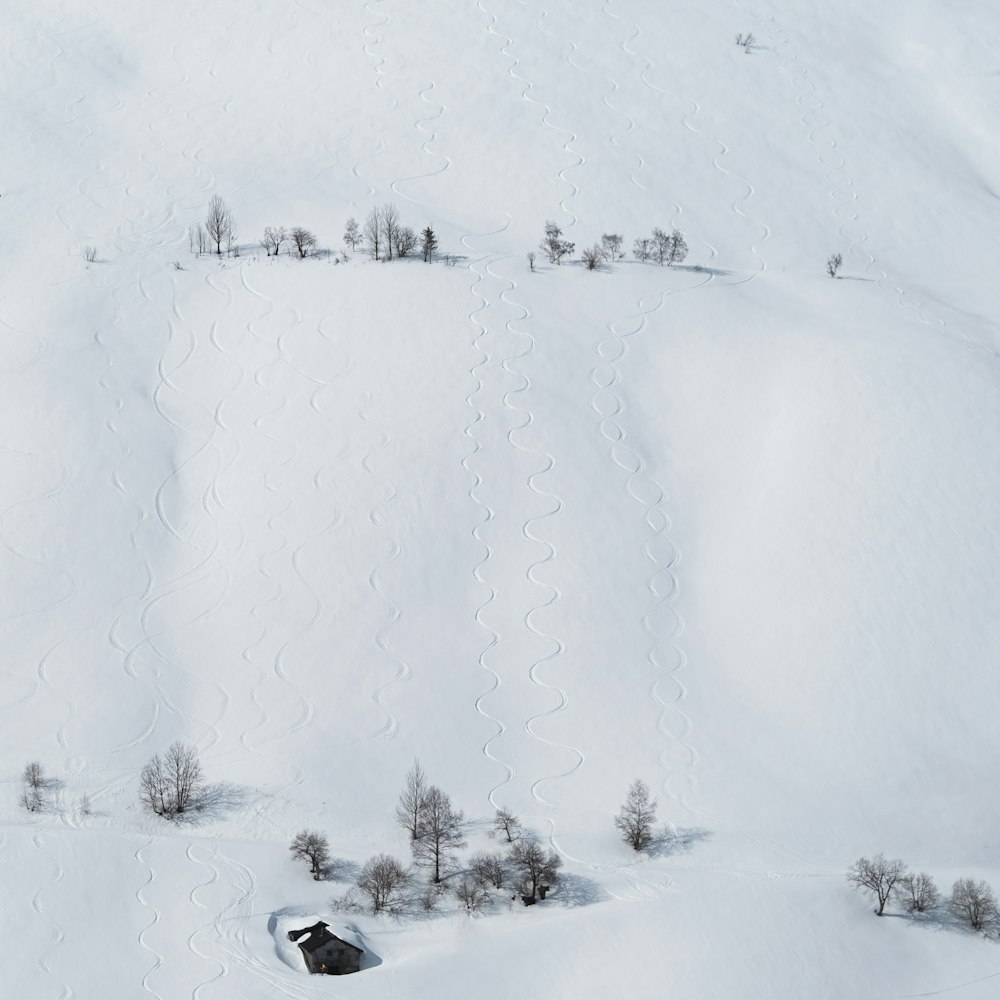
(728, 526)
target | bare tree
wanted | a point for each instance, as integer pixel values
(611, 247)
(304, 241)
(32, 799)
(170, 785)
(973, 902)
(677, 248)
(428, 244)
(198, 242)
(921, 892)
(490, 868)
(554, 245)
(534, 865)
(745, 40)
(592, 257)
(272, 239)
(373, 232)
(33, 775)
(219, 223)
(637, 816)
(878, 876)
(531, 259)
(383, 880)
(472, 895)
(507, 823)
(409, 809)
(668, 248)
(85, 806)
(439, 834)
(90, 254)
(389, 216)
(352, 235)
(642, 248)
(313, 847)
(406, 241)
(833, 264)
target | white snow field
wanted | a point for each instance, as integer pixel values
(729, 527)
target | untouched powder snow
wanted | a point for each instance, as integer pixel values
(729, 527)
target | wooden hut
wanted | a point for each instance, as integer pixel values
(325, 953)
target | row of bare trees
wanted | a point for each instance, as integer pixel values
(662, 247)
(972, 901)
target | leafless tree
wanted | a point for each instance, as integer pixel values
(439, 834)
(389, 216)
(170, 785)
(383, 880)
(33, 775)
(973, 902)
(352, 235)
(406, 241)
(668, 248)
(472, 895)
(508, 824)
(745, 40)
(642, 248)
(531, 259)
(313, 847)
(921, 892)
(272, 239)
(428, 244)
(410, 807)
(611, 247)
(90, 254)
(304, 241)
(219, 223)
(637, 816)
(534, 865)
(592, 257)
(373, 232)
(833, 264)
(878, 876)
(490, 868)
(198, 242)
(554, 245)
(32, 799)
(85, 806)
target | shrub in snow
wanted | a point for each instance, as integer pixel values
(384, 880)
(833, 264)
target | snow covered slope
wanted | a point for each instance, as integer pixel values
(729, 527)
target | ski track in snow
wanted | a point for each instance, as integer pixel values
(432, 136)
(480, 570)
(196, 993)
(156, 957)
(377, 516)
(663, 585)
(846, 195)
(547, 461)
(58, 936)
(504, 50)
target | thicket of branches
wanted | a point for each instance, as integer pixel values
(170, 785)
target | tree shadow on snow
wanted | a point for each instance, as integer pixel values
(215, 802)
(677, 840)
(942, 920)
(576, 890)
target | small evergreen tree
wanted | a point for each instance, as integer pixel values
(428, 244)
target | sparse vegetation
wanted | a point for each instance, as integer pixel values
(974, 903)
(637, 816)
(313, 847)
(169, 785)
(384, 880)
(534, 866)
(553, 244)
(921, 892)
(833, 264)
(506, 823)
(877, 876)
